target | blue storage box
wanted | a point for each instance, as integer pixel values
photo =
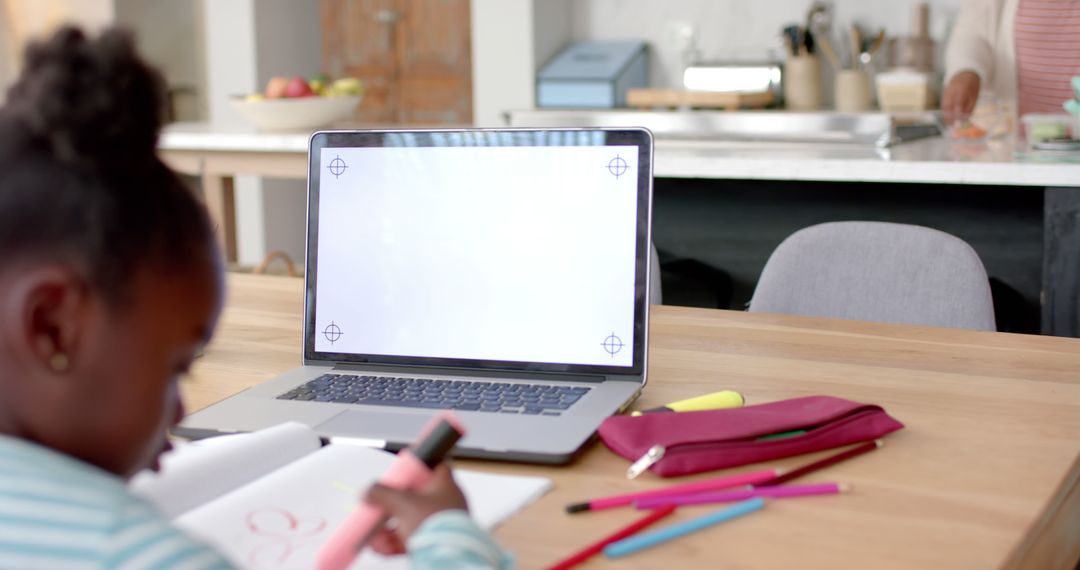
(592, 75)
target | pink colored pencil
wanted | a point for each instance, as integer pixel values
(727, 482)
(731, 496)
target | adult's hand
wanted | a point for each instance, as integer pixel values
(960, 95)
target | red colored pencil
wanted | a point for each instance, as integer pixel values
(597, 547)
(823, 463)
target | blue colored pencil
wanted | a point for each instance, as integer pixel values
(648, 540)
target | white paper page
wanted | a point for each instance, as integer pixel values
(199, 471)
(494, 498)
(281, 520)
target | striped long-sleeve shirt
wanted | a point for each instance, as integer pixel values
(57, 512)
(450, 539)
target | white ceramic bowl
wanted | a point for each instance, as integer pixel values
(299, 114)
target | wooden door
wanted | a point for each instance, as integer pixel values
(414, 57)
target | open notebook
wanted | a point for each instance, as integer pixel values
(269, 499)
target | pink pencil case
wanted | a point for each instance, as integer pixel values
(717, 439)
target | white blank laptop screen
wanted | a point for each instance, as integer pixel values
(521, 254)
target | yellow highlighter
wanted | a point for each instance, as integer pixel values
(715, 401)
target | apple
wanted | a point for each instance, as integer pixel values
(275, 88)
(298, 87)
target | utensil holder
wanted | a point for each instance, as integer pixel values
(852, 90)
(802, 83)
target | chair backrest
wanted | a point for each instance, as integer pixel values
(656, 297)
(877, 271)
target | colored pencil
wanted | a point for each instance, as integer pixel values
(630, 530)
(716, 484)
(660, 536)
(742, 495)
(822, 463)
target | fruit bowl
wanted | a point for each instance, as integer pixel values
(295, 114)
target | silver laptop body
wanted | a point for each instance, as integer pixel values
(498, 273)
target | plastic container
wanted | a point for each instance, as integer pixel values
(904, 90)
(592, 75)
(990, 119)
(1040, 127)
(977, 126)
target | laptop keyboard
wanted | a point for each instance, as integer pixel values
(494, 397)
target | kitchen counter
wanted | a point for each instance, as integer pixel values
(229, 138)
(928, 160)
(931, 160)
(218, 153)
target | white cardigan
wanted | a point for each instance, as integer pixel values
(983, 41)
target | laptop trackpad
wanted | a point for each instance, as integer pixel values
(394, 428)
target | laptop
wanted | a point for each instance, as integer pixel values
(500, 274)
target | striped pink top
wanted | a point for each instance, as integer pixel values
(1047, 53)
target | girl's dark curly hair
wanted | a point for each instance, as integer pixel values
(80, 180)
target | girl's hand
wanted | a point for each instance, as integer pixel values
(409, 509)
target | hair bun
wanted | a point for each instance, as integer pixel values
(95, 102)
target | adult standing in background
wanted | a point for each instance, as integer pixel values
(7, 51)
(1022, 51)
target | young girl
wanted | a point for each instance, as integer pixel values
(110, 282)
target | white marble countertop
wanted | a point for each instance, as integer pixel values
(230, 138)
(931, 160)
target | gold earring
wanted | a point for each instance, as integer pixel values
(59, 362)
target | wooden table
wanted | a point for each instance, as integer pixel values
(986, 474)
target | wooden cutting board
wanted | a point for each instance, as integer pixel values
(647, 98)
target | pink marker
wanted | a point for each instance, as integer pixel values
(725, 482)
(411, 470)
(777, 492)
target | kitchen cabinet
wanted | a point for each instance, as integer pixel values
(414, 57)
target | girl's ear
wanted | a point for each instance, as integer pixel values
(43, 319)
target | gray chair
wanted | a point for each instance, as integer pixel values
(877, 271)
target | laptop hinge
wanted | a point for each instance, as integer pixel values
(472, 372)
